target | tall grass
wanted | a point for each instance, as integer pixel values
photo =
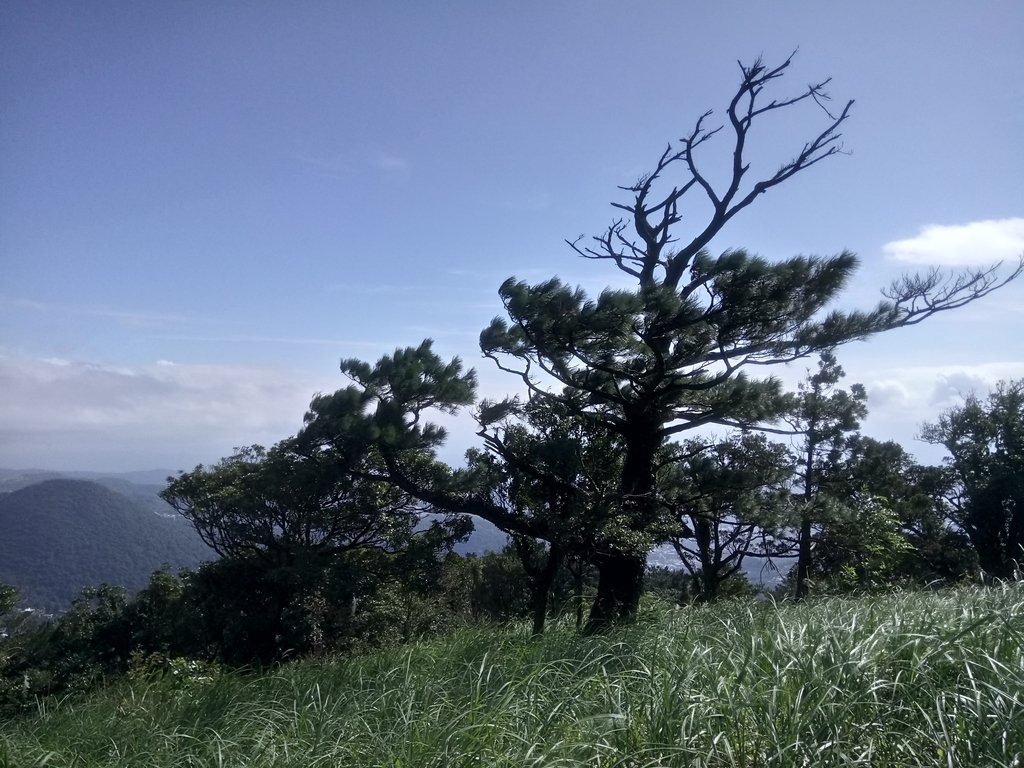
(905, 680)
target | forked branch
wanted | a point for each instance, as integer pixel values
(917, 297)
(653, 218)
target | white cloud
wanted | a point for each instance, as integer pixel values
(79, 415)
(66, 414)
(344, 165)
(127, 318)
(975, 243)
(389, 162)
(926, 391)
(902, 399)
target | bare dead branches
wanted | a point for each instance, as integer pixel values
(642, 253)
(918, 297)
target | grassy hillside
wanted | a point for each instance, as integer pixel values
(909, 680)
(62, 535)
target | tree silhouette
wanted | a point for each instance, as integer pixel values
(672, 353)
(985, 440)
(668, 355)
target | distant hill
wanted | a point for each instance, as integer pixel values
(60, 535)
(80, 529)
(485, 538)
(13, 479)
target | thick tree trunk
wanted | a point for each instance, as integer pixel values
(541, 588)
(539, 600)
(710, 582)
(992, 557)
(621, 574)
(619, 586)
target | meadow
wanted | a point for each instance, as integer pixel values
(910, 679)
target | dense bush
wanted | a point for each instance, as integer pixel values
(241, 613)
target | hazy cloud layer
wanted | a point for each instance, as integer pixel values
(975, 243)
(901, 400)
(61, 414)
(935, 388)
(67, 414)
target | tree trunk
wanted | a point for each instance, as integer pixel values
(709, 584)
(985, 530)
(578, 586)
(706, 581)
(621, 574)
(1015, 532)
(803, 560)
(539, 600)
(619, 585)
(540, 588)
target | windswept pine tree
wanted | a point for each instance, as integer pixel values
(682, 348)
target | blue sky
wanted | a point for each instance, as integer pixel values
(203, 206)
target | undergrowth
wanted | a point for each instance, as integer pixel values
(905, 680)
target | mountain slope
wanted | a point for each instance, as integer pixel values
(58, 536)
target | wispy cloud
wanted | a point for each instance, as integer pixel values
(386, 161)
(66, 414)
(902, 399)
(22, 304)
(313, 341)
(441, 332)
(348, 164)
(974, 243)
(374, 288)
(124, 316)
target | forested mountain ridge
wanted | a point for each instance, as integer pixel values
(61, 535)
(132, 484)
(23, 557)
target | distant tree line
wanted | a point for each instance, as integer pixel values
(341, 536)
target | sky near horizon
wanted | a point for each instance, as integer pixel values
(204, 206)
